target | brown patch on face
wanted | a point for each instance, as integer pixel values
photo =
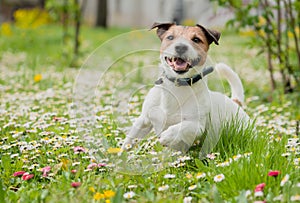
(185, 46)
(194, 35)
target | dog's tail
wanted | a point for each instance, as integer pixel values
(237, 90)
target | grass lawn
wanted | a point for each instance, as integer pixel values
(46, 156)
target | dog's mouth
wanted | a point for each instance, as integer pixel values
(181, 65)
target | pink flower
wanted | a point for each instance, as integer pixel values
(18, 173)
(75, 184)
(74, 171)
(274, 173)
(101, 164)
(27, 176)
(260, 187)
(79, 149)
(45, 170)
(92, 166)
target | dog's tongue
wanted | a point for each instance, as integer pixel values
(180, 65)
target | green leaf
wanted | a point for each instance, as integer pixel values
(242, 197)
(119, 196)
(6, 163)
(2, 192)
(198, 163)
(216, 195)
(44, 194)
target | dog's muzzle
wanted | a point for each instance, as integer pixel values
(181, 65)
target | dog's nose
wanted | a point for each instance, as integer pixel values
(181, 48)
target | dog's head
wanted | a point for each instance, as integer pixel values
(184, 48)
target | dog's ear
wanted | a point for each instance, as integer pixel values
(211, 35)
(161, 28)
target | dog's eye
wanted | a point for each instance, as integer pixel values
(170, 37)
(196, 40)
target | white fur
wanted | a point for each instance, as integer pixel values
(237, 90)
(179, 115)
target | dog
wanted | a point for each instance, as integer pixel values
(180, 107)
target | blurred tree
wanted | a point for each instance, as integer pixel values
(276, 31)
(68, 13)
(178, 12)
(101, 18)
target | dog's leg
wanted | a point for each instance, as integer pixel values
(182, 135)
(140, 129)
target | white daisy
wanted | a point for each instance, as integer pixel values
(295, 198)
(200, 175)
(187, 199)
(169, 176)
(129, 195)
(284, 180)
(192, 187)
(278, 198)
(132, 186)
(163, 188)
(259, 194)
(219, 178)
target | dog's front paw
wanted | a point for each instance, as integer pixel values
(127, 144)
(172, 140)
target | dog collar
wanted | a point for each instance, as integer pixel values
(187, 81)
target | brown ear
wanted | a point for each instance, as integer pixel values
(162, 28)
(211, 35)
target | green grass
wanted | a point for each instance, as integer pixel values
(37, 129)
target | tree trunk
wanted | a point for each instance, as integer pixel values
(77, 26)
(101, 17)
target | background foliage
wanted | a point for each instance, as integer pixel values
(274, 27)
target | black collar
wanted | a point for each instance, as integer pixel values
(187, 81)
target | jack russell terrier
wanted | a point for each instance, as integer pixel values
(180, 107)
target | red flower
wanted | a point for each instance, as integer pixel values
(274, 173)
(18, 173)
(260, 187)
(45, 170)
(27, 176)
(75, 184)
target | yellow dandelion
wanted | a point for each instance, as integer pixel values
(99, 196)
(109, 193)
(6, 29)
(37, 78)
(112, 150)
(31, 18)
(107, 201)
(65, 163)
(92, 189)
